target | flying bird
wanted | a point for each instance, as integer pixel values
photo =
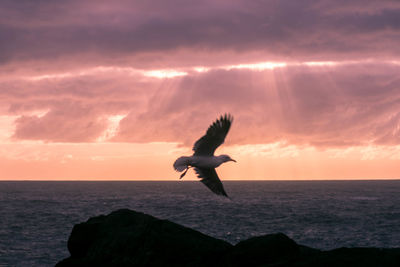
(203, 160)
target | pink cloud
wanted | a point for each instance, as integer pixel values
(343, 105)
(332, 106)
(85, 71)
(75, 109)
(324, 107)
(67, 124)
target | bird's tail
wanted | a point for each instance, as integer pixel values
(181, 164)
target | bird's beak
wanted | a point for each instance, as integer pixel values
(233, 160)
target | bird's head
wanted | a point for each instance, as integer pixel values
(225, 158)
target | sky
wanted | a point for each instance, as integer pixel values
(101, 90)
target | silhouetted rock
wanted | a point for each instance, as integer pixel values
(267, 249)
(129, 238)
(363, 257)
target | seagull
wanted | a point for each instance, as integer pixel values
(203, 160)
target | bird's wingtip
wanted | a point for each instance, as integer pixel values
(225, 117)
(223, 193)
(226, 196)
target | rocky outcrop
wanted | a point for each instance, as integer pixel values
(129, 238)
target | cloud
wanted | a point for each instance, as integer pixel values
(324, 107)
(68, 123)
(181, 33)
(312, 84)
(69, 68)
(73, 108)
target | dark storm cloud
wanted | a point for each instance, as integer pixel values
(286, 30)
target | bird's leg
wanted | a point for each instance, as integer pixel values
(183, 174)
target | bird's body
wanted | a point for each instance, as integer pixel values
(183, 163)
(203, 160)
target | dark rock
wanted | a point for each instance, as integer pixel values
(129, 238)
(363, 257)
(267, 249)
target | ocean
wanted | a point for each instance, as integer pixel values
(36, 218)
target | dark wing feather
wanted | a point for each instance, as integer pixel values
(214, 137)
(209, 178)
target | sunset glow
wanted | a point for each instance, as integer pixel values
(117, 91)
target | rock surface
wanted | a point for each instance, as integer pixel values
(129, 238)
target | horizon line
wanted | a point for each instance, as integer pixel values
(193, 180)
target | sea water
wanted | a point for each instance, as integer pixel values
(36, 218)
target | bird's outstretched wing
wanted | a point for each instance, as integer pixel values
(214, 137)
(209, 178)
